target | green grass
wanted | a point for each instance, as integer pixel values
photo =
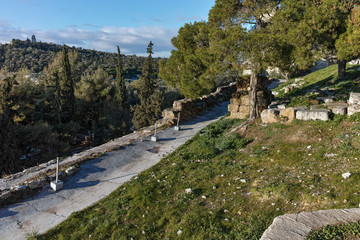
(238, 184)
(324, 78)
(346, 231)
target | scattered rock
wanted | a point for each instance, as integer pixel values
(188, 190)
(330, 155)
(339, 110)
(286, 90)
(18, 188)
(346, 175)
(353, 109)
(36, 183)
(354, 98)
(243, 180)
(179, 232)
(71, 170)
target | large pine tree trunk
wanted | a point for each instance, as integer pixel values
(254, 112)
(341, 68)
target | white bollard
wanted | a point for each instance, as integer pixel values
(154, 138)
(177, 128)
(57, 184)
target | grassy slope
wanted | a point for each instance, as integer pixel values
(238, 184)
(322, 79)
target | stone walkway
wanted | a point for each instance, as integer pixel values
(96, 179)
(298, 226)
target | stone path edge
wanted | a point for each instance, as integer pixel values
(298, 226)
(22, 185)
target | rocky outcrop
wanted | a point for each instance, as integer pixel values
(240, 102)
(298, 226)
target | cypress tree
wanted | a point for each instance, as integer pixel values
(146, 112)
(147, 84)
(120, 88)
(66, 84)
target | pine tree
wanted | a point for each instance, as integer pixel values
(191, 66)
(347, 46)
(247, 47)
(146, 112)
(8, 141)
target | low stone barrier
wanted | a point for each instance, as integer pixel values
(192, 107)
(275, 113)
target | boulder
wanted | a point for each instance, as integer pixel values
(353, 109)
(354, 98)
(287, 115)
(71, 170)
(341, 110)
(168, 113)
(306, 115)
(36, 183)
(286, 90)
(270, 116)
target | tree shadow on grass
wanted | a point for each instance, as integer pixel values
(345, 85)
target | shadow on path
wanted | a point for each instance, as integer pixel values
(6, 212)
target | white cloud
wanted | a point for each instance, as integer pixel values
(130, 40)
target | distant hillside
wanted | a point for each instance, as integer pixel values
(37, 55)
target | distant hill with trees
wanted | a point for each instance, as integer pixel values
(55, 100)
(35, 56)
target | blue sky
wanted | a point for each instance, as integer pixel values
(101, 24)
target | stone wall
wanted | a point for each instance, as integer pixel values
(191, 107)
(278, 112)
(240, 102)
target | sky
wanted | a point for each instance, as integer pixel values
(101, 24)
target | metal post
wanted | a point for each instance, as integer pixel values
(156, 128)
(57, 169)
(177, 128)
(154, 138)
(178, 120)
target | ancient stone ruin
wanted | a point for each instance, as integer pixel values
(240, 102)
(278, 112)
(191, 107)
